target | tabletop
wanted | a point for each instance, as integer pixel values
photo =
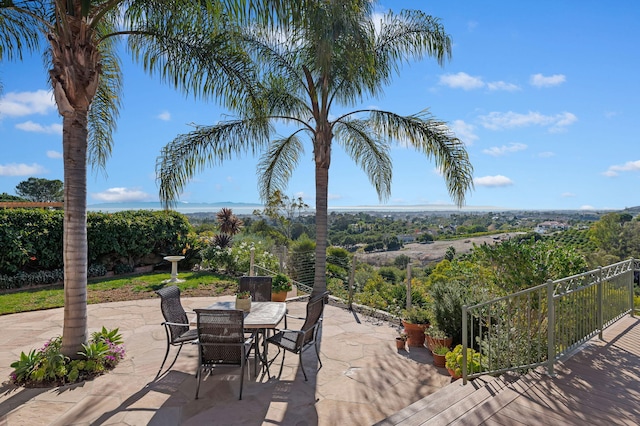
(262, 314)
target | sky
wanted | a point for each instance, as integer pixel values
(544, 94)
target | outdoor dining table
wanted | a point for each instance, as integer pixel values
(262, 316)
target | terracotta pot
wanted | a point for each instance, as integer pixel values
(280, 296)
(415, 333)
(453, 374)
(400, 343)
(432, 342)
(439, 360)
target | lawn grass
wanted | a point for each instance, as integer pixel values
(114, 289)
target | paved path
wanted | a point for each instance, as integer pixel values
(364, 378)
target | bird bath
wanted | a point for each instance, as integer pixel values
(174, 269)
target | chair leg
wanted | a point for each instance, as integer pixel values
(282, 364)
(242, 365)
(198, 377)
(302, 366)
(165, 359)
(318, 354)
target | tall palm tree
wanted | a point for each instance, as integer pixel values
(85, 78)
(333, 58)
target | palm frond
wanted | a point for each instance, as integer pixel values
(368, 151)
(20, 30)
(277, 164)
(105, 107)
(200, 57)
(434, 139)
(190, 153)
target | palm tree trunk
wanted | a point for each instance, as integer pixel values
(74, 143)
(322, 191)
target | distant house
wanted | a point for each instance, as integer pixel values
(406, 238)
(550, 226)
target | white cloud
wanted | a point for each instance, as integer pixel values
(497, 151)
(334, 197)
(568, 195)
(30, 126)
(54, 154)
(586, 207)
(461, 81)
(19, 104)
(464, 131)
(629, 166)
(539, 80)
(493, 181)
(505, 120)
(21, 169)
(120, 195)
(164, 116)
(464, 81)
(546, 154)
(503, 85)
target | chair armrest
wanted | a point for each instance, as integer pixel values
(175, 323)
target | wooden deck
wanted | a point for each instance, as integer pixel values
(598, 385)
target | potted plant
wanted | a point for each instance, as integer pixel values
(454, 360)
(243, 301)
(439, 353)
(280, 286)
(435, 336)
(401, 341)
(415, 321)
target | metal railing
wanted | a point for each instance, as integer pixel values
(540, 325)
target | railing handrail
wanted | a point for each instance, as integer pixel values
(569, 311)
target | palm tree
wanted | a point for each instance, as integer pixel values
(333, 58)
(86, 83)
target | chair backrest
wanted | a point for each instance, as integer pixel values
(259, 287)
(220, 335)
(315, 308)
(172, 310)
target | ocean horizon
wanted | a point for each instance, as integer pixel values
(249, 208)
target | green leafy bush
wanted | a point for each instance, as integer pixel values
(47, 366)
(455, 358)
(280, 282)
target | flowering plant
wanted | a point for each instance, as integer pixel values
(47, 366)
(243, 295)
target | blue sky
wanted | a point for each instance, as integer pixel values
(543, 93)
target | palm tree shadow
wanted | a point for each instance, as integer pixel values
(167, 384)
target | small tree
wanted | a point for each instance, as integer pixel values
(41, 190)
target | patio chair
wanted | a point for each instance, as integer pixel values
(176, 323)
(297, 341)
(259, 287)
(221, 341)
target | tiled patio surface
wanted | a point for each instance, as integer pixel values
(364, 378)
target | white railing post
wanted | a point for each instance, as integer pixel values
(551, 329)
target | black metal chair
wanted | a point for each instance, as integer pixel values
(297, 341)
(259, 287)
(176, 323)
(221, 341)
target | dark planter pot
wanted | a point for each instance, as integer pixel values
(415, 332)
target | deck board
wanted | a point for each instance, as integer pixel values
(598, 385)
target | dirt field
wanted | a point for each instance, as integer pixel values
(425, 254)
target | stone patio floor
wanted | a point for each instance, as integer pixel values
(364, 378)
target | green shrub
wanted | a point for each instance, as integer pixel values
(455, 358)
(280, 282)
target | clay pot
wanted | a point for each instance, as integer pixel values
(415, 333)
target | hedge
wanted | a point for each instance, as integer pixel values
(31, 239)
